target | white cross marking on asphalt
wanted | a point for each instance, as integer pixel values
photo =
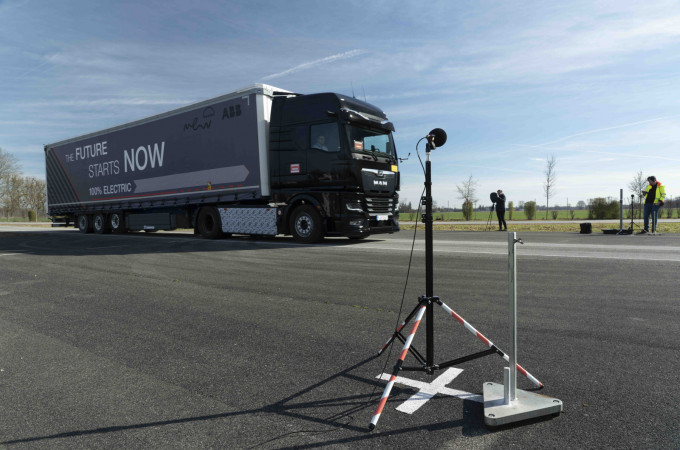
(428, 390)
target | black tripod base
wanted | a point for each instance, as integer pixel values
(430, 369)
(426, 362)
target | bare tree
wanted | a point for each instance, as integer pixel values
(12, 194)
(637, 186)
(8, 166)
(466, 192)
(35, 194)
(467, 189)
(550, 178)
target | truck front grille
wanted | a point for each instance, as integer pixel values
(377, 205)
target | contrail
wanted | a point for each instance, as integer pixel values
(625, 125)
(307, 65)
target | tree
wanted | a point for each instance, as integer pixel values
(530, 210)
(34, 194)
(405, 207)
(550, 178)
(601, 208)
(466, 192)
(637, 186)
(12, 194)
(581, 204)
(467, 209)
(9, 168)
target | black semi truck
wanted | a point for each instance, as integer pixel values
(259, 161)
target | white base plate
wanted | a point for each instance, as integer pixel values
(527, 405)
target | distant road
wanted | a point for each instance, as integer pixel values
(494, 221)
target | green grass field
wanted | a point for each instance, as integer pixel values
(484, 215)
(543, 225)
(579, 214)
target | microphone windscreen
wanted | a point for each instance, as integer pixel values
(439, 136)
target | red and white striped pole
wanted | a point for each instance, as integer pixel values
(490, 344)
(397, 368)
(398, 330)
(389, 341)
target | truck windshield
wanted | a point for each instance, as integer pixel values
(371, 141)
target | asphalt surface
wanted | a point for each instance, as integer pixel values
(167, 340)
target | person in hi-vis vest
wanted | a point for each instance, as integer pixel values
(655, 195)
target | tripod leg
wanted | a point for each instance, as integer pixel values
(399, 328)
(488, 221)
(490, 344)
(397, 367)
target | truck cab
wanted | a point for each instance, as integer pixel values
(335, 155)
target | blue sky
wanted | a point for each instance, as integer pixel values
(595, 83)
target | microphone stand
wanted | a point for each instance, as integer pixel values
(425, 307)
(488, 221)
(632, 217)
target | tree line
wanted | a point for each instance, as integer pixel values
(18, 192)
(598, 208)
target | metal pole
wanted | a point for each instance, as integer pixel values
(429, 265)
(621, 212)
(512, 275)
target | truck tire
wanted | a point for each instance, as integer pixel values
(306, 225)
(209, 223)
(117, 223)
(84, 223)
(100, 224)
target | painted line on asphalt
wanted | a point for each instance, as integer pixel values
(426, 391)
(637, 257)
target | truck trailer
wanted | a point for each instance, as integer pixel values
(259, 161)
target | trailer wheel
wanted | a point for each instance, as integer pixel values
(209, 223)
(100, 225)
(84, 223)
(117, 223)
(306, 225)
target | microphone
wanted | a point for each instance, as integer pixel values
(436, 138)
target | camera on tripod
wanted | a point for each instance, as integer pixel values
(494, 198)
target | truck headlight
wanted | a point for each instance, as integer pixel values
(354, 206)
(356, 223)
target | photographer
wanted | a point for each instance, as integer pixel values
(655, 195)
(500, 211)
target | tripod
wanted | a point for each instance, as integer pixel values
(488, 221)
(425, 306)
(632, 216)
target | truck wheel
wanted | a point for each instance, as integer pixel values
(100, 225)
(117, 223)
(84, 224)
(306, 225)
(209, 223)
